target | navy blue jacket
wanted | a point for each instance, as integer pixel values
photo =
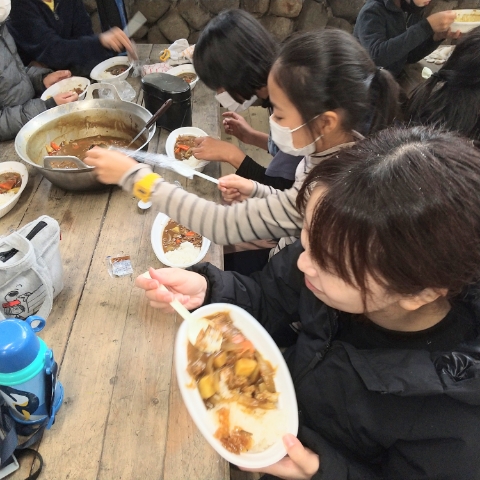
(392, 37)
(62, 39)
(372, 413)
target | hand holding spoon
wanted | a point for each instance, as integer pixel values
(201, 332)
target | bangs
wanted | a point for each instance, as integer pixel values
(346, 246)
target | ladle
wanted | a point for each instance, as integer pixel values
(212, 341)
(47, 162)
(155, 117)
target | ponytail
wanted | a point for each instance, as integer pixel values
(384, 95)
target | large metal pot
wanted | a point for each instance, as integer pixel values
(78, 120)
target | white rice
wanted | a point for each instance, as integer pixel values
(266, 426)
(6, 197)
(186, 253)
(192, 162)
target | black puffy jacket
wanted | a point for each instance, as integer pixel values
(374, 413)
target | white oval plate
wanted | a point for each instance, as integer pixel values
(465, 27)
(262, 342)
(156, 238)
(22, 170)
(98, 73)
(65, 85)
(185, 68)
(172, 138)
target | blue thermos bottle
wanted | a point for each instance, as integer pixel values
(28, 373)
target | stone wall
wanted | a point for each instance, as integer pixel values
(169, 20)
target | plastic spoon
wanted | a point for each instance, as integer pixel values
(212, 340)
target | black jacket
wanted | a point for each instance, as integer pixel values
(63, 39)
(392, 37)
(371, 413)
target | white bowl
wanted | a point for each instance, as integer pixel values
(465, 26)
(66, 85)
(185, 68)
(172, 138)
(262, 342)
(100, 75)
(156, 238)
(22, 170)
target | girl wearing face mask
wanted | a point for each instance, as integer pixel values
(384, 285)
(322, 82)
(20, 86)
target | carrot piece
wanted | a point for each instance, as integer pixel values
(190, 234)
(183, 147)
(54, 146)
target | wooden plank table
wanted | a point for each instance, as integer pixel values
(122, 417)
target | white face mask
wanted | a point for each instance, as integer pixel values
(283, 139)
(5, 7)
(226, 101)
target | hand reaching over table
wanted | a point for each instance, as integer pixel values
(214, 150)
(110, 166)
(234, 124)
(116, 40)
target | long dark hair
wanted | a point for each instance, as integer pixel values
(451, 97)
(401, 206)
(234, 52)
(329, 70)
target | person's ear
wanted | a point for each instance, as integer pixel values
(327, 122)
(426, 296)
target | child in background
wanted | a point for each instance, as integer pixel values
(20, 85)
(451, 97)
(315, 115)
(395, 33)
(384, 284)
(233, 56)
(58, 34)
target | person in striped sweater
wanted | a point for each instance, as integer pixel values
(323, 87)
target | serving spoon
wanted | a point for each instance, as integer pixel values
(48, 159)
(212, 338)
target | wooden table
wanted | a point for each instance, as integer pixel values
(123, 416)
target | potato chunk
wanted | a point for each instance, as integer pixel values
(207, 386)
(245, 366)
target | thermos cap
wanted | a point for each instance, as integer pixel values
(19, 346)
(164, 86)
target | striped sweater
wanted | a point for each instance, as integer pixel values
(269, 214)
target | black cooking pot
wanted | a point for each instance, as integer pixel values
(158, 88)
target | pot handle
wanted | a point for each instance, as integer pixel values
(96, 86)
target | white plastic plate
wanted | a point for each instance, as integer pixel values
(22, 170)
(465, 27)
(156, 238)
(262, 342)
(98, 73)
(65, 85)
(172, 138)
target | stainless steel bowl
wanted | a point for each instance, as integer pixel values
(78, 120)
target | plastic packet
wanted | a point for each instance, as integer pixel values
(124, 89)
(119, 265)
(178, 52)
